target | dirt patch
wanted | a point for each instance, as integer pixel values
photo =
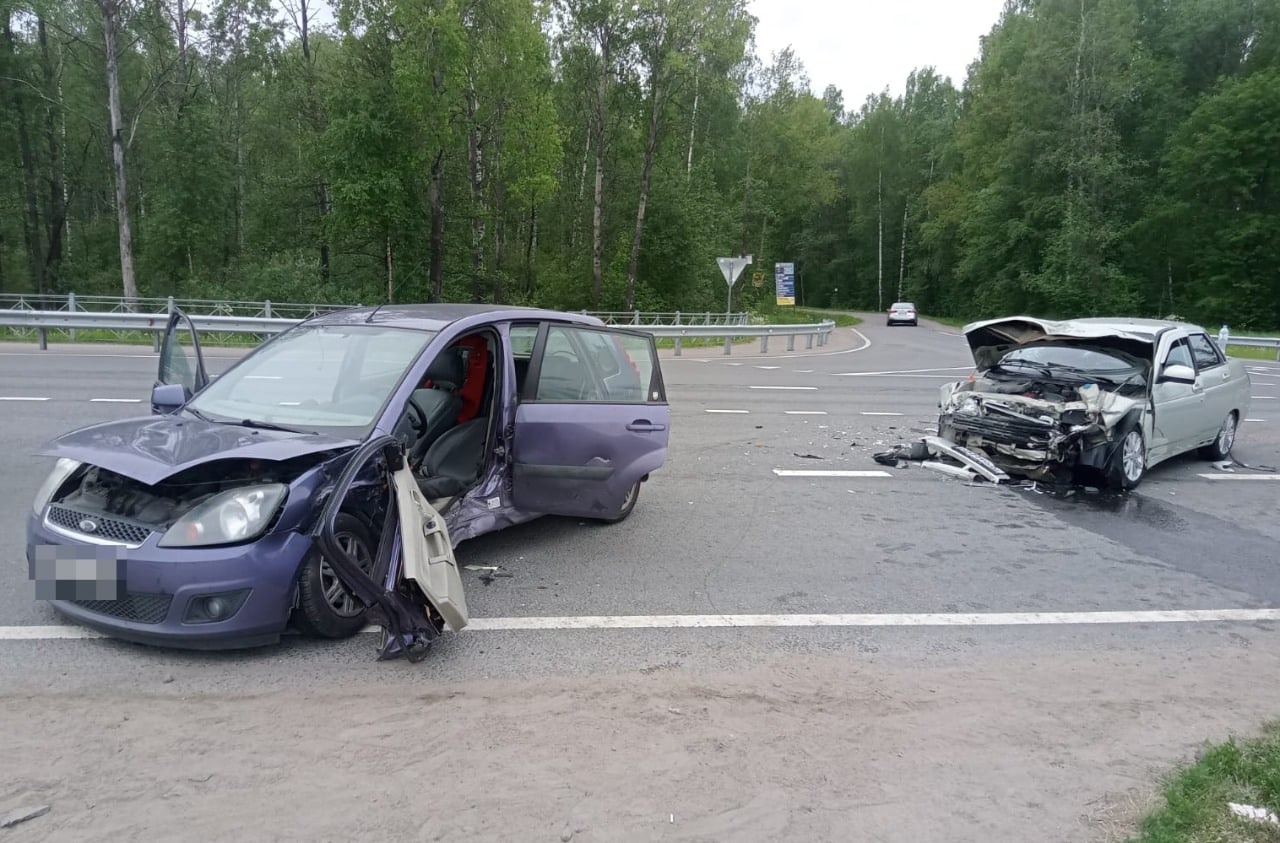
(806, 748)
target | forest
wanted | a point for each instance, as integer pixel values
(1099, 157)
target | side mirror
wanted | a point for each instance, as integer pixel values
(169, 398)
(1177, 374)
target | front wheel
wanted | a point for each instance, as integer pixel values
(1129, 463)
(1221, 447)
(326, 609)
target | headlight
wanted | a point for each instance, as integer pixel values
(62, 469)
(234, 516)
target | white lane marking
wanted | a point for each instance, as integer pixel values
(804, 371)
(768, 367)
(1267, 397)
(264, 377)
(805, 412)
(290, 403)
(786, 472)
(782, 387)
(115, 400)
(1225, 476)
(731, 364)
(904, 372)
(881, 414)
(1255, 420)
(21, 398)
(37, 633)
(728, 411)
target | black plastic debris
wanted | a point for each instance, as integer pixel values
(22, 815)
(807, 456)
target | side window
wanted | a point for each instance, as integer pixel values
(522, 339)
(564, 374)
(1180, 355)
(1205, 352)
(641, 359)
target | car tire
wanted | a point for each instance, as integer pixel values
(1129, 462)
(1220, 449)
(317, 615)
(628, 505)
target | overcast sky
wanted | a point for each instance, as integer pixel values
(863, 46)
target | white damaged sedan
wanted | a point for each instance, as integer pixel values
(1103, 397)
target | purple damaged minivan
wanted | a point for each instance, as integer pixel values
(196, 526)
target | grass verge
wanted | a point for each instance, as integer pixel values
(1246, 772)
(1249, 352)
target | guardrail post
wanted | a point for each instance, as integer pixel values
(44, 339)
(791, 342)
(808, 341)
(635, 317)
(677, 346)
(71, 308)
(677, 317)
(266, 308)
(728, 344)
(169, 306)
(707, 320)
(764, 344)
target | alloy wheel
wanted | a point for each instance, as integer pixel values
(1227, 436)
(340, 600)
(1133, 457)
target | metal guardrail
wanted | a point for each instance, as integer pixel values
(1256, 342)
(44, 321)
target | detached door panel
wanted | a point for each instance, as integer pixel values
(592, 422)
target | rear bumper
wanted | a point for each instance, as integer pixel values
(155, 589)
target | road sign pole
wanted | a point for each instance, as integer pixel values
(731, 268)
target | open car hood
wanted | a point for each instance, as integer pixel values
(991, 339)
(151, 448)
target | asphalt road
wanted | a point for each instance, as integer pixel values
(718, 531)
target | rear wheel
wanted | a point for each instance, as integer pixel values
(628, 504)
(1221, 447)
(326, 609)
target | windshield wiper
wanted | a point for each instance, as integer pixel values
(261, 425)
(1039, 367)
(202, 416)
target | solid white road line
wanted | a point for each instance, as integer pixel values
(805, 412)
(904, 372)
(729, 411)
(1255, 420)
(116, 400)
(787, 472)
(21, 398)
(768, 367)
(782, 387)
(920, 619)
(1225, 476)
(880, 414)
(1265, 397)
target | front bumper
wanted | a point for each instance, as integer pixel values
(155, 587)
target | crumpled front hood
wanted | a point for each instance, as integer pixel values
(149, 449)
(992, 339)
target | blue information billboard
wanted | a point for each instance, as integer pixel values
(784, 282)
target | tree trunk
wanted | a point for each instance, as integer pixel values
(902, 257)
(530, 247)
(597, 212)
(693, 126)
(31, 217)
(880, 225)
(391, 278)
(646, 172)
(498, 181)
(582, 189)
(56, 214)
(110, 22)
(435, 199)
(475, 173)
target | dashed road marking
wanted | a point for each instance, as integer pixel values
(1225, 476)
(879, 414)
(805, 412)
(905, 372)
(728, 411)
(1255, 420)
(768, 367)
(782, 387)
(804, 371)
(21, 398)
(115, 400)
(786, 472)
(1265, 397)
(886, 619)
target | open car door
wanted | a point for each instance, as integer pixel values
(414, 590)
(182, 373)
(592, 422)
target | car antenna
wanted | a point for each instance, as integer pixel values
(373, 313)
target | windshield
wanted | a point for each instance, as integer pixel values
(1071, 360)
(326, 378)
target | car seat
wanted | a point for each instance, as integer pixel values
(440, 401)
(455, 461)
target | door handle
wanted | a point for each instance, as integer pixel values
(645, 426)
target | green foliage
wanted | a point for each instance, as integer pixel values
(1102, 156)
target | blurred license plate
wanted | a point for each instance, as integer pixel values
(63, 572)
